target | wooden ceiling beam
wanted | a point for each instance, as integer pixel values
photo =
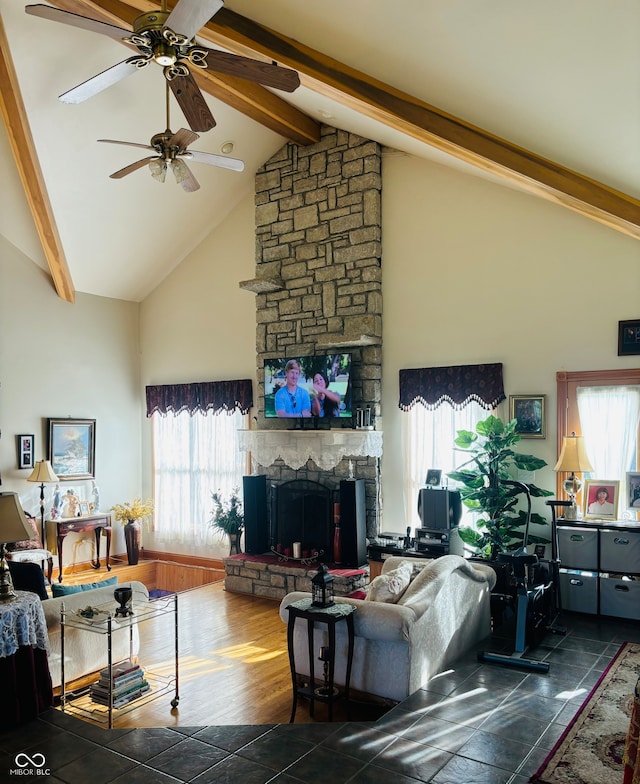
(250, 99)
(24, 152)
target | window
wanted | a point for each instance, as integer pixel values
(604, 407)
(193, 456)
(428, 442)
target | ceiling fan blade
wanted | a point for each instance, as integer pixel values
(99, 82)
(84, 22)
(223, 161)
(190, 15)
(128, 144)
(182, 139)
(184, 176)
(191, 101)
(132, 167)
(264, 73)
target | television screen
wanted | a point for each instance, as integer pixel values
(315, 386)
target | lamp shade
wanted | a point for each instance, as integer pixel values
(42, 472)
(13, 523)
(573, 455)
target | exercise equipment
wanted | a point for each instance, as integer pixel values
(534, 600)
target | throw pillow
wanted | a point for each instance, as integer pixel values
(65, 590)
(390, 586)
(27, 544)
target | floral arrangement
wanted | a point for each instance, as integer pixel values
(227, 516)
(134, 510)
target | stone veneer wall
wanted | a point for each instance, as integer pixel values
(319, 277)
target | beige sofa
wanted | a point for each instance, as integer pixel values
(398, 646)
(87, 651)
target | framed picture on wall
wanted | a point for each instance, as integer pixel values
(628, 338)
(72, 447)
(529, 413)
(25, 451)
(601, 499)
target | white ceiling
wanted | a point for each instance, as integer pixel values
(561, 79)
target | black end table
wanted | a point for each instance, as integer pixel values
(323, 691)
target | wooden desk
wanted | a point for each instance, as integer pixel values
(74, 525)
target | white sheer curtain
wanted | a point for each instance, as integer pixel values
(609, 418)
(428, 442)
(193, 456)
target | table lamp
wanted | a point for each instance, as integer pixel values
(13, 528)
(573, 457)
(43, 472)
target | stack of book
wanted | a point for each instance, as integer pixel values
(128, 684)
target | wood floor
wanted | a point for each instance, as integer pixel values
(234, 665)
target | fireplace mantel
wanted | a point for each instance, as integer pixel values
(325, 447)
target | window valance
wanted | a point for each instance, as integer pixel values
(458, 385)
(200, 396)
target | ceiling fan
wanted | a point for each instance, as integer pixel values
(169, 40)
(171, 152)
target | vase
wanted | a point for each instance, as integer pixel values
(132, 535)
(234, 540)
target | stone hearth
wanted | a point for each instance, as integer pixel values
(266, 576)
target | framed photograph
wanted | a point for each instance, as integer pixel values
(72, 447)
(434, 475)
(83, 506)
(601, 499)
(633, 491)
(25, 451)
(529, 413)
(628, 338)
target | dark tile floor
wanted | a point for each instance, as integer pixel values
(480, 723)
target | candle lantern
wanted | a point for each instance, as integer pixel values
(322, 587)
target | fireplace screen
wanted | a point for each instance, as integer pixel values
(301, 511)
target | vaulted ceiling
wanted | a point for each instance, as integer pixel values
(542, 97)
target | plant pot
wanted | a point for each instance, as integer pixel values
(132, 536)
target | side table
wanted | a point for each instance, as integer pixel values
(24, 667)
(325, 691)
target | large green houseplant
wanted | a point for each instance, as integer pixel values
(492, 457)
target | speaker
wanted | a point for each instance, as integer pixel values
(353, 522)
(256, 527)
(439, 510)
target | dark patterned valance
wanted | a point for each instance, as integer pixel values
(457, 385)
(201, 396)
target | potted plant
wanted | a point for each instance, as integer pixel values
(132, 515)
(227, 518)
(500, 526)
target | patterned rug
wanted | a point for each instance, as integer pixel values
(591, 749)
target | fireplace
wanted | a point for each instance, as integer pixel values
(302, 511)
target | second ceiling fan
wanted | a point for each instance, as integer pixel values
(169, 40)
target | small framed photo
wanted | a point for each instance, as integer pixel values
(434, 475)
(529, 413)
(633, 491)
(83, 506)
(601, 499)
(72, 447)
(25, 451)
(628, 338)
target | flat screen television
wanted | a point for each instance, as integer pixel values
(314, 386)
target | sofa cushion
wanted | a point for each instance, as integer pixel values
(390, 586)
(28, 577)
(65, 590)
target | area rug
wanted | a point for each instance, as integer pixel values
(591, 749)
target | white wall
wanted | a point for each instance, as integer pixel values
(58, 360)
(198, 325)
(475, 272)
